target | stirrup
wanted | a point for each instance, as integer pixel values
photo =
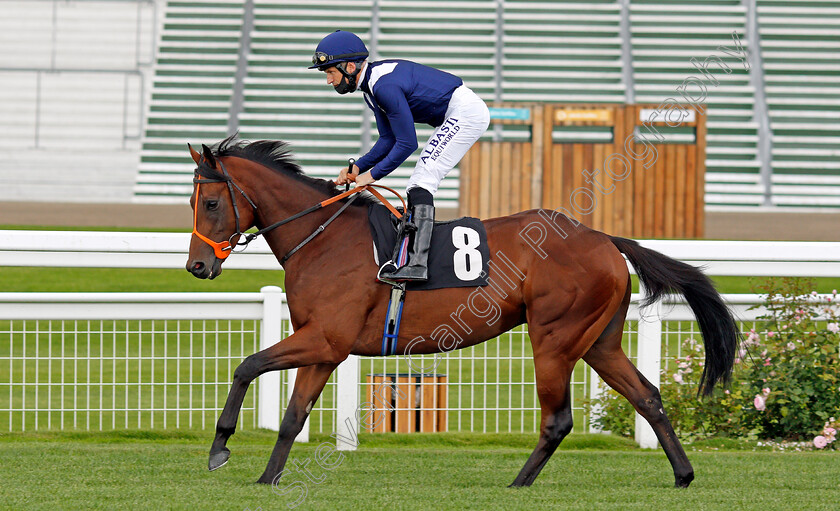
(410, 274)
(387, 268)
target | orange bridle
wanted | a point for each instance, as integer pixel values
(222, 249)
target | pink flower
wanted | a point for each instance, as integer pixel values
(791, 346)
(833, 328)
(765, 391)
(767, 362)
(760, 404)
(820, 442)
(771, 333)
(678, 378)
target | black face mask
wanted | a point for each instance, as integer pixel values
(348, 83)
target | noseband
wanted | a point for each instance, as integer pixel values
(210, 175)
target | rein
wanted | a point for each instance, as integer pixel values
(225, 248)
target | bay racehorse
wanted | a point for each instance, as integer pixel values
(569, 283)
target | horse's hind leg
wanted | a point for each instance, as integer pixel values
(561, 332)
(607, 357)
(309, 383)
(553, 388)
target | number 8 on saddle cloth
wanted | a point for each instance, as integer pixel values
(458, 256)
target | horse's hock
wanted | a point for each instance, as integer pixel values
(627, 170)
(405, 403)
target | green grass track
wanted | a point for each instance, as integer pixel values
(148, 470)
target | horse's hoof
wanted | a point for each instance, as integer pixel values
(684, 481)
(218, 459)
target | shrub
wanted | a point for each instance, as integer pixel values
(786, 382)
(791, 370)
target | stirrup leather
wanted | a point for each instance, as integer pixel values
(416, 268)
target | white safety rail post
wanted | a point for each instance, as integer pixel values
(648, 361)
(596, 389)
(275, 311)
(271, 331)
(347, 404)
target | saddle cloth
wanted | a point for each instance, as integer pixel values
(458, 256)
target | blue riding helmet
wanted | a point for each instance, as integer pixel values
(340, 46)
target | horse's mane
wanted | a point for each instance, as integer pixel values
(277, 155)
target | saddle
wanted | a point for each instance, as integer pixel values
(458, 256)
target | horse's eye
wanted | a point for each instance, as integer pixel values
(211, 205)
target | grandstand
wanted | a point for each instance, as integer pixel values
(197, 70)
(71, 96)
(664, 40)
(284, 100)
(800, 47)
(192, 92)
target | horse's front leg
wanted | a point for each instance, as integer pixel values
(309, 383)
(306, 346)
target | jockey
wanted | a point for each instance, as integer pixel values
(401, 93)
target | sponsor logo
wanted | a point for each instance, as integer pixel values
(440, 139)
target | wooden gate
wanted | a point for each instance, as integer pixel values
(628, 170)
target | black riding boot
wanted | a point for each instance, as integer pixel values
(416, 269)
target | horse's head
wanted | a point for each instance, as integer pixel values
(221, 211)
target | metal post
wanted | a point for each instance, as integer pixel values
(138, 32)
(627, 53)
(347, 403)
(37, 108)
(760, 111)
(499, 64)
(271, 331)
(125, 111)
(237, 100)
(373, 48)
(649, 361)
(596, 390)
(54, 34)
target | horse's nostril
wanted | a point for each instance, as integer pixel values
(197, 267)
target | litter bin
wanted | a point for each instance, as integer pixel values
(406, 402)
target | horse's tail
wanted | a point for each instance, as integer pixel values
(660, 275)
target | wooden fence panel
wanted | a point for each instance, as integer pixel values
(635, 194)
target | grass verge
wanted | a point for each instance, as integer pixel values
(167, 470)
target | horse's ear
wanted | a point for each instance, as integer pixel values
(208, 156)
(196, 156)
